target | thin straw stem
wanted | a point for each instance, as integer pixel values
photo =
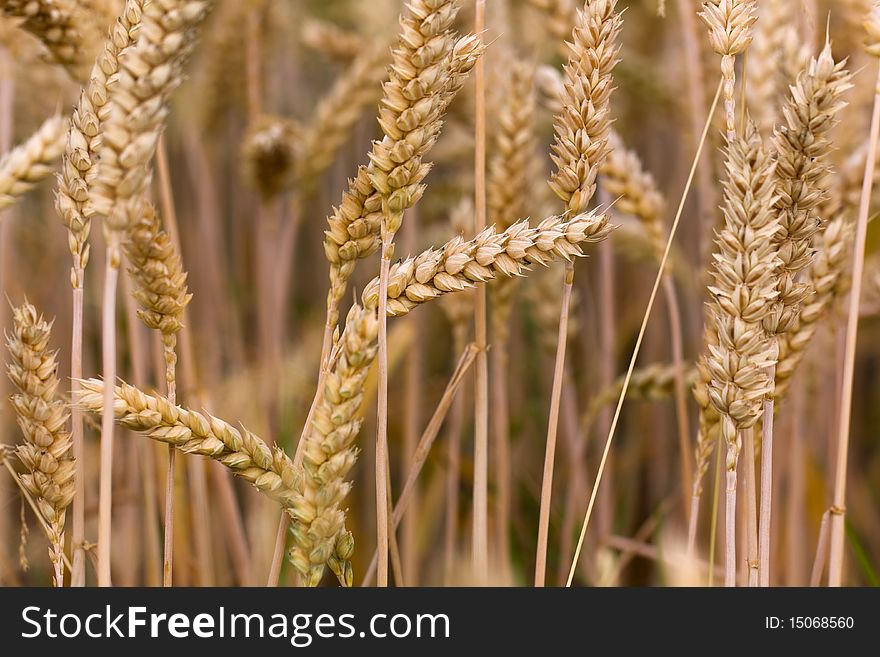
(382, 418)
(821, 551)
(730, 531)
(481, 393)
(552, 428)
(751, 506)
(78, 509)
(835, 565)
(426, 441)
(105, 492)
(641, 336)
(713, 521)
(680, 392)
(766, 491)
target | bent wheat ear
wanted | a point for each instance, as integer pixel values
(460, 264)
(269, 470)
(46, 452)
(355, 226)
(32, 161)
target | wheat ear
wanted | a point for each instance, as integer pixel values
(510, 169)
(802, 150)
(28, 164)
(730, 32)
(46, 451)
(338, 111)
(160, 289)
(420, 81)
(68, 31)
(743, 294)
(332, 40)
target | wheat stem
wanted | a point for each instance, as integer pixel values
(751, 506)
(552, 427)
(382, 418)
(766, 491)
(481, 392)
(821, 557)
(108, 351)
(835, 566)
(423, 448)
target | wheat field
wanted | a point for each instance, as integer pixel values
(439, 292)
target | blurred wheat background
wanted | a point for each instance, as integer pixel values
(218, 233)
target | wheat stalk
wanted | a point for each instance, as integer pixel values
(28, 164)
(161, 291)
(838, 509)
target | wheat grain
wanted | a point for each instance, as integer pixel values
(46, 452)
(329, 454)
(802, 147)
(32, 161)
(355, 225)
(582, 128)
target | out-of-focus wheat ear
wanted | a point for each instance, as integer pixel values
(730, 32)
(337, 112)
(775, 44)
(331, 40)
(269, 151)
(46, 452)
(28, 164)
(838, 509)
(70, 32)
(511, 168)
